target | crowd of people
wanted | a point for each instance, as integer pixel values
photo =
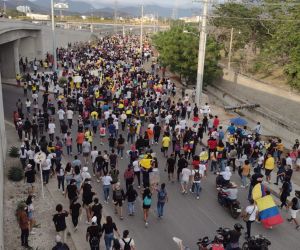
(115, 119)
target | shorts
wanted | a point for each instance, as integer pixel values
(294, 213)
(184, 182)
(30, 185)
(118, 203)
(268, 172)
(86, 154)
(146, 206)
(165, 149)
(171, 170)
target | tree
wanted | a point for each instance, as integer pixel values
(179, 51)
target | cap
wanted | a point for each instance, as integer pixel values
(57, 238)
(94, 219)
(85, 169)
(29, 166)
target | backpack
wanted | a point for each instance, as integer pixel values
(162, 195)
(118, 194)
(127, 244)
(128, 175)
(197, 176)
(94, 241)
(62, 247)
(147, 201)
(114, 175)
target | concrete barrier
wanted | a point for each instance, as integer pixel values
(3, 145)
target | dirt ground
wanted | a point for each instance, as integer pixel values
(44, 237)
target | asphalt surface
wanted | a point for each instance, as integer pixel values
(185, 217)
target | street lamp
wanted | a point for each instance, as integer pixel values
(53, 36)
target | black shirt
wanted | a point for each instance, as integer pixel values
(131, 195)
(97, 209)
(30, 175)
(182, 163)
(94, 231)
(60, 221)
(171, 162)
(234, 236)
(72, 191)
(109, 228)
(75, 208)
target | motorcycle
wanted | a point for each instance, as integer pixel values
(233, 206)
(257, 242)
(224, 232)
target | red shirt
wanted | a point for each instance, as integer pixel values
(212, 144)
(216, 122)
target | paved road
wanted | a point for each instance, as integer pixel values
(185, 216)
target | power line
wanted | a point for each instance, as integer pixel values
(253, 18)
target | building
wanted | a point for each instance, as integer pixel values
(38, 16)
(193, 19)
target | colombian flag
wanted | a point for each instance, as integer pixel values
(268, 211)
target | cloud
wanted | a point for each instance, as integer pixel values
(110, 3)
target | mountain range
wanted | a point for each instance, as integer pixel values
(85, 8)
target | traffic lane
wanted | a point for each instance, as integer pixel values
(185, 216)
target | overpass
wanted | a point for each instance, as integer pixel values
(18, 39)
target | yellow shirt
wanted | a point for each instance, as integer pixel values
(89, 135)
(94, 115)
(280, 147)
(166, 141)
(270, 163)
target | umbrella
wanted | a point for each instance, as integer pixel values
(239, 121)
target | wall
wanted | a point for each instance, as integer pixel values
(7, 65)
(3, 145)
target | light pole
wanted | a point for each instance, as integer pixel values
(141, 36)
(53, 36)
(201, 53)
(92, 23)
(230, 48)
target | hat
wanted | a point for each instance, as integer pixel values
(29, 166)
(85, 169)
(57, 238)
(94, 219)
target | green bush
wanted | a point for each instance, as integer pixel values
(15, 173)
(14, 152)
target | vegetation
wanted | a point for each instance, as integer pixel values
(179, 51)
(270, 29)
(15, 173)
(13, 152)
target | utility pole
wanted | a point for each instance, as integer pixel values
(141, 37)
(4, 6)
(115, 17)
(53, 37)
(92, 23)
(201, 53)
(230, 48)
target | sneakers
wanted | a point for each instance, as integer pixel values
(242, 186)
(198, 198)
(298, 227)
(146, 224)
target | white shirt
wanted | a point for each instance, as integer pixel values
(106, 180)
(186, 174)
(28, 103)
(116, 123)
(70, 114)
(136, 167)
(30, 154)
(106, 114)
(51, 128)
(126, 240)
(61, 114)
(289, 161)
(182, 124)
(123, 117)
(251, 210)
(94, 155)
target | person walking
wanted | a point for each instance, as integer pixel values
(129, 176)
(106, 182)
(59, 245)
(126, 242)
(294, 206)
(24, 225)
(93, 234)
(285, 192)
(249, 216)
(108, 229)
(147, 201)
(118, 198)
(162, 198)
(269, 166)
(59, 220)
(75, 211)
(245, 173)
(97, 210)
(131, 196)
